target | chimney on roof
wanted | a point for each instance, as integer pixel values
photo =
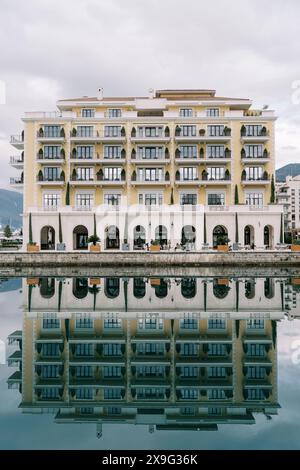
(151, 93)
(100, 94)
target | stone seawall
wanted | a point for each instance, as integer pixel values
(149, 259)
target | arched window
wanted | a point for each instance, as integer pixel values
(268, 236)
(220, 236)
(47, 287)
(139, 237)
(269, 288)
(248, 235)
(249, 288)
(188, 234)
(112, 237)
(161, 288)
(139, 288)
(188, 287)
(80, 287)
(161, 234)
(220, 290)
(112, 287)
(80, 238)
(47, 238)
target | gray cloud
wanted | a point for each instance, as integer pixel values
(57, 49)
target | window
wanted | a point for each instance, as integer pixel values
(253, 130)
(188, 198)
(256, 350)
(85, 174)
(215, 131)
(150, 348)
(112, 151)
(218, 372)
(255, 394)
(151, 199)
(112, 131)
(215, 151)
(188, 151)
(187, 410)
(49, 372)
(112, 323)
(150, 371)
(150, 174)
(150, 393)
(216, 411)
(87, 113)
(189, 394)
(50, 350)
(84, 349)
(84, 323)
(254, 151)
(216, 324)
(84, 200)
(114, 113)
(254, 199)
(188, 131)
(151, 153)
(52, 131)
(51, 200)
(189, 322)
(50, 393)
(112, 393)
(254, 173)
(189, 349)
(112, 174)
(112, 199)
(52, 151)
(216, 199)
(217, 349)
(85, 151)
(216, 394)
(112, 349)
(254, 372)
(113, 410)
(51, 173)
(84, 394)
(86, 411)
(150, 131)
(212, 112)
(255, 324)
(85, 131)
(112, 371)
(216, 173)
(151, 323)
(186, 112)
(188, 173)
(189, 371)
(84, 371)
(51, 323)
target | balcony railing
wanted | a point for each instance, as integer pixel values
(42, 134)
(203, 133)
(93, 134)
(246, 156)
(42, 156)
(16, 180)
(17, 139)
(264, 177)
(58, 179)
(16, 160)
(262, 133)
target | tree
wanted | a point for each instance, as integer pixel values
(7, 231)
(172, 197)
(281, 228)
(236, 228)
(272, 197)
(30, 230)
(236, 195)
(204, 229)
(60, 235)
(68, 194)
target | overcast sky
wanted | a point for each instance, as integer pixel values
(52, 49)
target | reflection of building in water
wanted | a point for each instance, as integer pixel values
(184, 353)
(292, 298)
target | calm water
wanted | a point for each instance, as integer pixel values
(150, 363)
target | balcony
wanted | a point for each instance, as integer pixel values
(98, 180)
(140, 136)
(157, 160)
(97, 158)
(45, 137)
(17, 141)
(248, 159)
(17, 162)
(262, 136)
(163, 181)
(16, 182)
(42, 180)
(203, 136)
(59, 159)
(262, 180)
(97, 137)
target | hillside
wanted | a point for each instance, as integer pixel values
(292, 169)
(11, 206)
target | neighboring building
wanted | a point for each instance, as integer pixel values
(291, 169)
(137, 356)
(180, 153)
(288, 194)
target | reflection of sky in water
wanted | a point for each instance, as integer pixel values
(29, 431)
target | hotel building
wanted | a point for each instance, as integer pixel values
(127, 350)
(179, 166)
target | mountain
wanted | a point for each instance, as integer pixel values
(292, 169)
(11, 206)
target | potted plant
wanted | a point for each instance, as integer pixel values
(295, 246)
(94, 239)
(31, 245)
(222, 243)
(155, 245)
